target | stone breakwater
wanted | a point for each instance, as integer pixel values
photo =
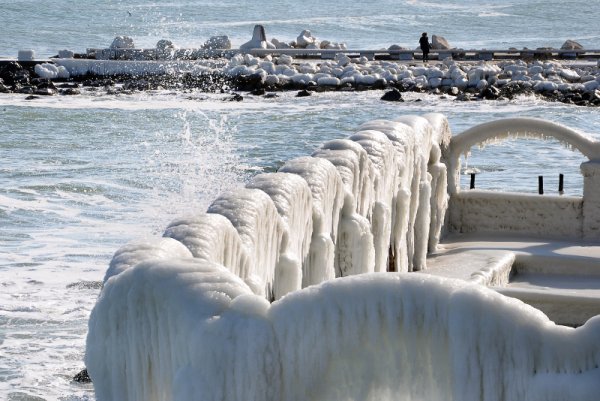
(568, 82)
(579, 84)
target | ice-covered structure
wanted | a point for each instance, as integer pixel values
(279, 291)
(258, 41)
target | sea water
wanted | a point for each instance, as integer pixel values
(81, 176)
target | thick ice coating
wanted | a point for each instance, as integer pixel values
(191, 330)
(261, 230)
(292, 198)
(138, 251)
(187, 316)
(328, 198)
(212, 237)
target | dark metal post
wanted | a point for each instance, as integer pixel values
(561, 182)
(541, 185)
(472, 186)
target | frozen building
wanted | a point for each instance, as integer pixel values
(363, 272)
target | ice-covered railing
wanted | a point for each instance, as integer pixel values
(564, 217)
(187, 329)
(187, 317)
(372, 202)
(522, 127)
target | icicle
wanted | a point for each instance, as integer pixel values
(327, 191)
(255, 217)
(293, 200)
(354, 248)
(355, 168)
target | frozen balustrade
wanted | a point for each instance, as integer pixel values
(188, 317)
(187, 329)
(562, 217)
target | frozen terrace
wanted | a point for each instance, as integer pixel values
(302, 285)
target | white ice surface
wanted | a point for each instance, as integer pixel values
(213, 238)
(190, 320)
(261, 229)
(190, 330)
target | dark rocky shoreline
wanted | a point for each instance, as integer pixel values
(16, 78)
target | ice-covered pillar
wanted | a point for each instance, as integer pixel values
(591, 200)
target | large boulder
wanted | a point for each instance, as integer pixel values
(396, 47)
(13, 73)
(439, 43)
(51, 71)
(122, 42)
(280, 45)
(305, 39)
(571, 45)
(392, 96)
(217, 42)
(165, 49)
(258, 41)
(327, 45)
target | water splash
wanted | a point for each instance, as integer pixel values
(189, 167)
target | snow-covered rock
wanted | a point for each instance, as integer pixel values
(46, 70)
(569, 75)
(280, 45)
(284, 59)
(342, 59)
(328, 81)
(122, 42)
(305, 38)
(571, 45)
(439, 43)
(217, 42)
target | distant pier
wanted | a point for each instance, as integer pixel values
(325, 54)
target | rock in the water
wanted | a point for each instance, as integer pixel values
(69, 91)
(82, 377)
(392, 96)
(439, 43)
(463, 97)
(45, 92)
(571, 45)
(490, 93)
(236, 97)
(453, 91)
(303, 93)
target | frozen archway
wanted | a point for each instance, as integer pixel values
(522, 127)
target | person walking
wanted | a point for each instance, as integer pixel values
(425, 46)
